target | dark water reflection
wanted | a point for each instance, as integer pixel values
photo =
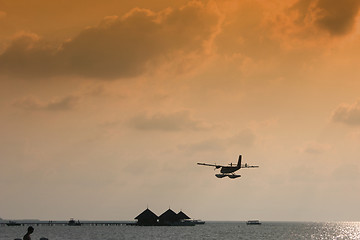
(211, 230)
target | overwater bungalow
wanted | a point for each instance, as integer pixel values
(147, 218)
(168, 218)
(182, 216)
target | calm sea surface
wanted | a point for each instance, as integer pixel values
(211, 230)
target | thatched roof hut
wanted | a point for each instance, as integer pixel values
(181, 216)
(168, 217)
(147, 217)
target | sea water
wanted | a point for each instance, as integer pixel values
(210, 230)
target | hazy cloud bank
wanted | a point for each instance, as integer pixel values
(242, 140)
(167, 122)
(309, 23)
(118, 47)
(2, 14)
(315, 148)
(347, 114)
(58, 104)
(337, 17)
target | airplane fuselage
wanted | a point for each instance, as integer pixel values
(229, 169)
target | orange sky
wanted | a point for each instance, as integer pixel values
(106, 107)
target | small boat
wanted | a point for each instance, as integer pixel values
(193, 221)
(13, 223)
(253, 222)
(198, 221)
(183, 223)
(73, 223)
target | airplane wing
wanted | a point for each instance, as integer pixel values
(248, 166)
(211, 165)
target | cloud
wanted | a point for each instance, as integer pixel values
(59, 104)
(311, 23)
(244, 139)
(315, 148)
(167, 122)
(118, 47)
(337, 17)
(347, 172)
(2, 14)
(347, 114)
(211, 145)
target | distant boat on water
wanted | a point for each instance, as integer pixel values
(253, 222)
(13, 223)
(72, 222)
(198, 221)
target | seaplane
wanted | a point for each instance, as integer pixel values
(228, 170)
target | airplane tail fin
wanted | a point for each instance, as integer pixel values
(239, 161)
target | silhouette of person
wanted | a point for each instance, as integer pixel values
(30, 230)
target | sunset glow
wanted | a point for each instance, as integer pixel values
(107, 106)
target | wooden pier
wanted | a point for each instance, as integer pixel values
(66, 223)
